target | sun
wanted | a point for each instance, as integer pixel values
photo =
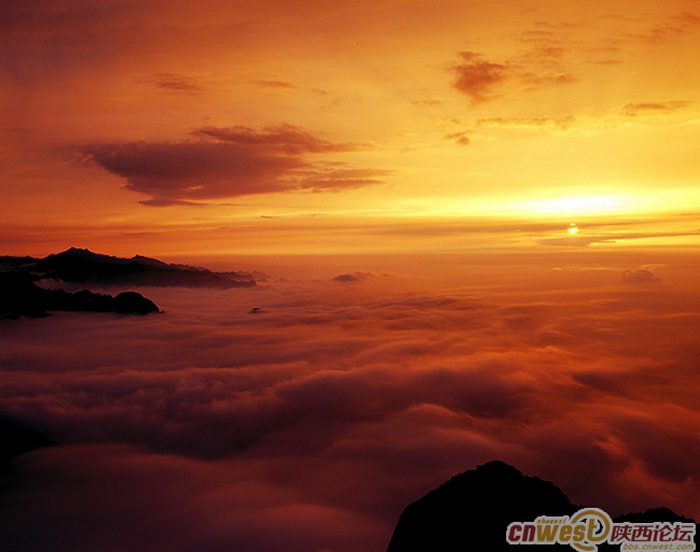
(572, 229)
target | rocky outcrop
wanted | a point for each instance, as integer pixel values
(20, 296)
(471, 513)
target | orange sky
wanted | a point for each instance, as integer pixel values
(311, 127)
(552, 142)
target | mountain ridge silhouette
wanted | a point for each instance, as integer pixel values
(82, 266)
(472, 510)
(20, 296)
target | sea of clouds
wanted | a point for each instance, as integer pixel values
(304, 415)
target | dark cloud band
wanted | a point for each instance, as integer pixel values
(229, 162)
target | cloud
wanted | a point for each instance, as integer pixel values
(579, 241)
(173, 172)
(340, 179)
(228, 162)
(670, 29)
(428, 102)
(607, 61)
(481, 79)
(275, 84)
(652, 108)
(639, 276)
(546, 78)
(461, 138)
(561, 123)
(178, 82)
(174, 503)
(343, 403)
(544, 48)
(586, 240)
(287, 139)
(356, 276)
(478, 78)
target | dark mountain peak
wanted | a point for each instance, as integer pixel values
(20, 296)
(652, 515)
(491, 480)
(81, 254)
(498, 468)
(72, 250)
(472, 511)
(79, 265)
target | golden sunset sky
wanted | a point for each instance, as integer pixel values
(480, 225)
(228, 127)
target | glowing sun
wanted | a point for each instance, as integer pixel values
(572, 229)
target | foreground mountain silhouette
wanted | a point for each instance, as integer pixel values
(471, 512)
(20, 296)
(82, 266)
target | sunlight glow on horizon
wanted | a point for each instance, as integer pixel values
(547, 207)
(586, 205)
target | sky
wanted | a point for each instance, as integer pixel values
(236, 127)
(480, 225)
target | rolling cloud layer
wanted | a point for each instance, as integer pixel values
(310, 424)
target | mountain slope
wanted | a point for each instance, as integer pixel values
(82, 266)
(471, 513)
